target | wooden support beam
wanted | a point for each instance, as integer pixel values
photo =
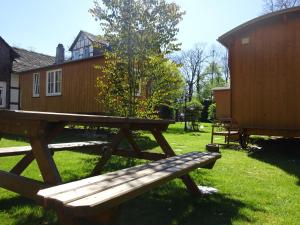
(22, 164)
(45, 160)
(108, 153)
(21, 185)
(129, 136)
(187, 180)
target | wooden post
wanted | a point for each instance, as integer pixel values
(187, 180)
(108, 153)
(45, 160)
(129, 136)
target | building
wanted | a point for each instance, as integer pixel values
(7, 57)
(264, 62)
(66, 85)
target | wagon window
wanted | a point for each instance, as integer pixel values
(54, 82)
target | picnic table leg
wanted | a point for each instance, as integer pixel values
(65, 219)
(108, 153)
(52, 131)
(167, 149)
(129, 136)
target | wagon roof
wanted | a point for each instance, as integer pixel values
(225, 37)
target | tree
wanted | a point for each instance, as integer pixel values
(138, 31)
(192, 63)
(275, 5)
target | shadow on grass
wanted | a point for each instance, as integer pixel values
(27, 212)
(167, 205)
(170, 205)
(282, 153)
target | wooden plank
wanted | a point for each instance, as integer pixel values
(129, 136)
(45, 161)
(108, 153)
(23, 164)
(121, 193)
(79, 118)
(187, 180)
(21, 185)
(88, 189)
(77, 184)
(21, 150)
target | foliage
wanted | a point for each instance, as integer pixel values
(214, 78)
(193, 110)
(161, 84)
(192, 64)
(275, 5)
(140, 33)
(212, 112)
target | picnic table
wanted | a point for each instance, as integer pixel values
(42, 127)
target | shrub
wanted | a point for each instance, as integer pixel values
(212, 112)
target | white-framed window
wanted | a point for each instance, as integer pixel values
(53, 82)
(36, 85)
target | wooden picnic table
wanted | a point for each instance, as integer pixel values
(42, 127)
(87, 197)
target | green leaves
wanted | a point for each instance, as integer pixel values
(140, 33)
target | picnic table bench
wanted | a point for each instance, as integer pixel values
(88, 197)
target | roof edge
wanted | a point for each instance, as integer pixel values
(222, 39)
(61, 64)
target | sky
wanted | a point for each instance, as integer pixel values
(40, 25)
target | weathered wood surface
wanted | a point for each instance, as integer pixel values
(86, 197)
(21, 119)
(21, 150)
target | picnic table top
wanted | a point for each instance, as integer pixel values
(77, 118)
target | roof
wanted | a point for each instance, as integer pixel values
(224, 38)
(12, 51)
(55, 65)
(29, 60)
(93, 38)
(220, 88)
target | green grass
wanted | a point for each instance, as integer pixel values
(258, 187)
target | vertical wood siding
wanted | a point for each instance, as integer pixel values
(222, 99)
(265, 75)
(79, 89)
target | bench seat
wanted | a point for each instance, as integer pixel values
(87, 197)
(22, 150)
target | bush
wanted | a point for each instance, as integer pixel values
(212, 112)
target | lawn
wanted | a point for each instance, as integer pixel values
(255, 187)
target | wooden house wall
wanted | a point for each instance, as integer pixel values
(265, 75)
(79, 89)
(222, 99)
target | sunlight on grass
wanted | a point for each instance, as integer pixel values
(254, 188)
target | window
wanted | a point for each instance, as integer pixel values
(53, 83)
(86, 52)
(76, 54)
(36, 85)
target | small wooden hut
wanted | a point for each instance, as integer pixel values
(222, 99)
(264, 61)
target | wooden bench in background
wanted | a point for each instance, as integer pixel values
(76, 146)
(89, 197)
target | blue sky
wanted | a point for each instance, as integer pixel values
(41, 25)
